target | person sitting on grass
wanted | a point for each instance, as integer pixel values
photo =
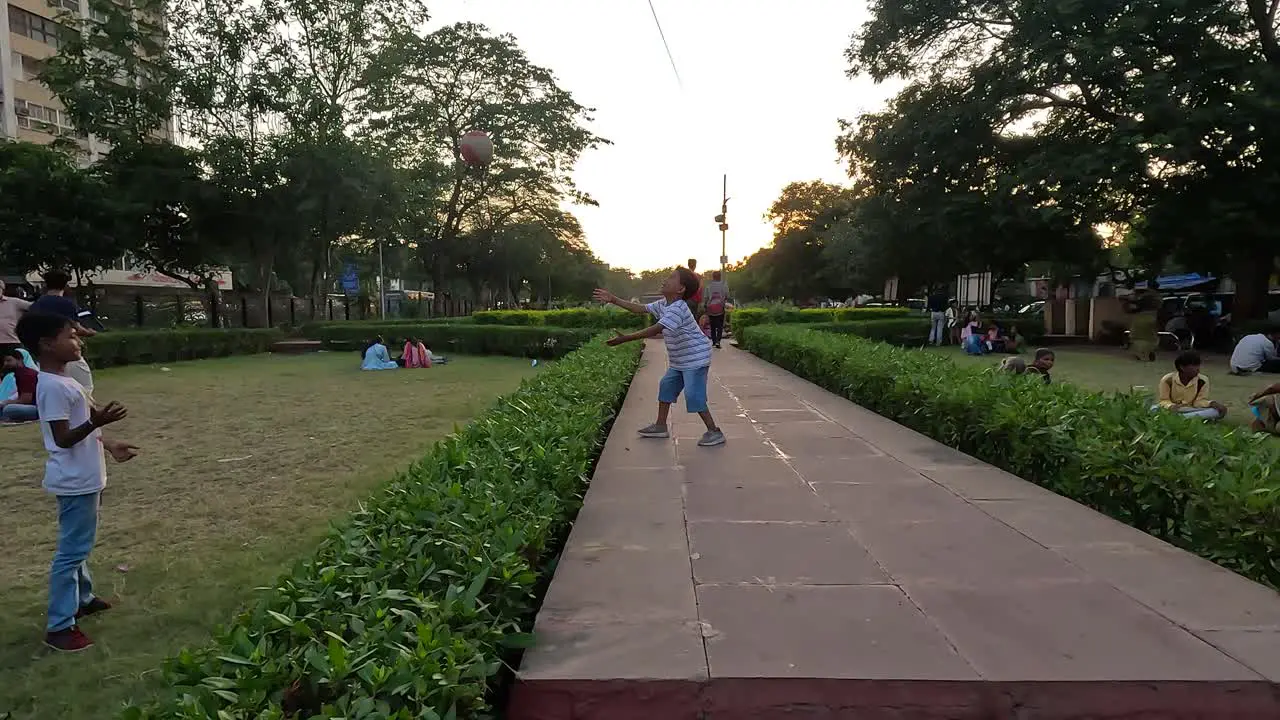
(1257, 353)
(75, 474)
(376, 356)
(1186, 392)
(415, 354)
(688, 352)
(1265, 406)
(1013, 341)
(971, 336)
(21, 407)
(995, 341)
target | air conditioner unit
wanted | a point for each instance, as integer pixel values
(22, 111)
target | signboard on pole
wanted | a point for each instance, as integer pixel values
(350, 280)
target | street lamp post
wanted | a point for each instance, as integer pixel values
(382, 284)
(722, 220)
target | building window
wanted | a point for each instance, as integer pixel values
(33, 26)
(26, 68)
(42, 119)
(69, 5)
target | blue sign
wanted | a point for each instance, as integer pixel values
(350, 280)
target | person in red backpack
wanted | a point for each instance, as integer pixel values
(717, 296)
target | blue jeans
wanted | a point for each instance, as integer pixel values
(19, 413)
(937, 327)
(70, 586)
(692, 382)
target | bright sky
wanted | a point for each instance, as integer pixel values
(763, 88)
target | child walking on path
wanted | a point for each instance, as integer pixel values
(688, 352)
(75, 473)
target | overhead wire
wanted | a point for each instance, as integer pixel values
(665, 45)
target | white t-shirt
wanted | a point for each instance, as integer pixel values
(1252, 351)
(687, 347)
(82, 468)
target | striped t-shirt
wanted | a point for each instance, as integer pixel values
(687, 347)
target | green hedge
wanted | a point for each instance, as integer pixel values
(465, 339)
(133, 347)
(595, 318)
(914, 331)
(310, 328)
(747, 317)
(409, 609)
(1210, 489)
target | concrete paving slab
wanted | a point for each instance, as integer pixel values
(826, 632)
(848, 567)
(1069, 631)
(780, 554)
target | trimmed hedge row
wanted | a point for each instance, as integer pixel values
(1210, 490)
(596, 318)
(133, 347)
(466, 339)
(914, 331)
(312, 327)
(742, 318)
(409, 609)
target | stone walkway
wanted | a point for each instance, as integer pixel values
(828, 563)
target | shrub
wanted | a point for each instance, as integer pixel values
(408, 609)
(914, 331)
(747, 317)
(311, 328)
(898, 331)
(132, 347)
(1208, 489)
(465, 339)
(594, 318)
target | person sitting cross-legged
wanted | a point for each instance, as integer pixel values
(22, 406)
(1186, 392)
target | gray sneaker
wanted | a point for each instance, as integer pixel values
(711, 438)
(655, 431)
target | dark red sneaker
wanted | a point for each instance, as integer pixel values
(70, 640)
(94, 607)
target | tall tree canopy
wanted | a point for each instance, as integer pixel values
(1042, 120)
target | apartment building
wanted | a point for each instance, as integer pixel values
(29, 36)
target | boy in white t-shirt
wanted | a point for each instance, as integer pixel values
(688, 352)
(75, 473)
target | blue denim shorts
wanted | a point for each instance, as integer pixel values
(692, 382)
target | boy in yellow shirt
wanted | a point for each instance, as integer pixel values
(1186, 392)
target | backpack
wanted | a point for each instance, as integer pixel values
(715, 303)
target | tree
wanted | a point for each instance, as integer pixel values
(459, 78)
(53, 213)
(170, 213)
(1159, 109)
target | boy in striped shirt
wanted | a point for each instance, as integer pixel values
(688, 352)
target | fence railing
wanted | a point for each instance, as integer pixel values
(121, 308)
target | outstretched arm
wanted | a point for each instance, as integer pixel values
(651, 331)
(609, 298)
(1270, 390)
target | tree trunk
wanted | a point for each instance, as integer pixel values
(1252, 276)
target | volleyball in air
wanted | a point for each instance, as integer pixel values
(476, 147)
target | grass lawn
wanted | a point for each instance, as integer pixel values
(1110, 370)
(244, 463)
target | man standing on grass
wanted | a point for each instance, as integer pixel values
(54, 301)
(11, 309)
(937, 304)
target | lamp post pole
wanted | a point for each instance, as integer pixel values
(724, 225)
(382, 285)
